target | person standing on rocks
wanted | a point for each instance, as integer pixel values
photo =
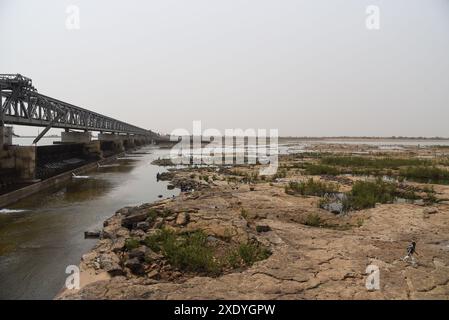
(411, 250)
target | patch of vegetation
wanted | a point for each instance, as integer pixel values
(251, 252)
(360, 222)
(131, 244)
(380, 163)
(319, 169)
(365, 194)
(313, 220)
(311, 188)
(192, 252)
(281, 173)
(425, 174)
(188, 252)
(250, 177)
(244, 213)
(152, 215)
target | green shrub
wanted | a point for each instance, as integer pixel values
(381, 163)
(425, 174)
(250, 253)
(131, 244)
(313, 220)
(312, 188)
(244, 213)
(152, 215)
(188, 252)
(319, 169)
(365, 194)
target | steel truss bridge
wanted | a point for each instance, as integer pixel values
(21, 104)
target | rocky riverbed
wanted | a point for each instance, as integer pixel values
(232, 234)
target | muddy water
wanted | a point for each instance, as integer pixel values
(43, 234)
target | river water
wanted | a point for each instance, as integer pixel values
(44, 233)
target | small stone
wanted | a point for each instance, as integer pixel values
(260, 227)
(124, 211)
(182, 218)
(158, 223)
(430, 210)
(170, 218)
(212, 239)
(151, 256)
(153, 274)
(137, 233)
(170, 187)
(144, 225)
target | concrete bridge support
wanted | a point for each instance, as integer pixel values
(18, 161)
(112, 142)
(76, 137)
(93, 150)
(5, 136)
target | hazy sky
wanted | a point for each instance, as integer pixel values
(304, 67)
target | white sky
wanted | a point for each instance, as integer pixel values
(303, 67)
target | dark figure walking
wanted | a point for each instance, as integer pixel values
(411, 250)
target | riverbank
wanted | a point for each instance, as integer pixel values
(281, 237)
(42, 234)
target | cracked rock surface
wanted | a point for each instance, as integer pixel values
(306, 262)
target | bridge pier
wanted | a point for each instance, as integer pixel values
(76, 137)
(5, 136)
(111, 142)
(17, 163)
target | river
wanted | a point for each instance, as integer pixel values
(44, 233)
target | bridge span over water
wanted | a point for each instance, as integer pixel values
(21, 104)
(21, 166)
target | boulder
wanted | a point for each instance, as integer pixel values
(137, 233)
(144, 225)
(110, 263)
(131, 220)
(151, 256)
(135, 265)
(138, 253)
(158, 223)
(118, 245)
(182, 219)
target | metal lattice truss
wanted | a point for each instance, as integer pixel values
(21, 104)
